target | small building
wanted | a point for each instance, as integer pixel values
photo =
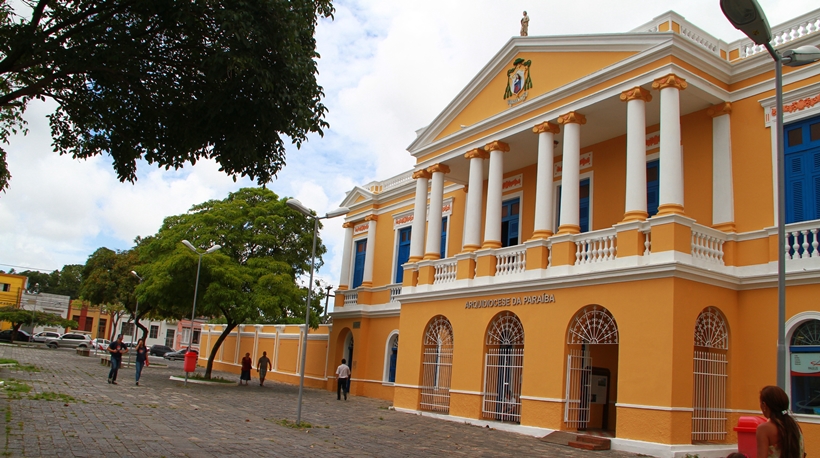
(56, 304)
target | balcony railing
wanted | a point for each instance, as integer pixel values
(510, 260)
(801, 240)
(707, 244)
(445, 271)
(596, 246)
(351, 297)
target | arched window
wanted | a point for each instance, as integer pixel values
(804, 353)
(503, 367)
(437, 366)
(391, 354)
(710, 374)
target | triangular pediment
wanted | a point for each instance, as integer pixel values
(355, 196)
(543, 66)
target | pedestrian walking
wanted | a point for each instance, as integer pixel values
(780, 436)
(246, 369)
(342, 380)
(116, 349)
(262, 367)
(142, 358)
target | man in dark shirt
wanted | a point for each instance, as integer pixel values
(116, 349)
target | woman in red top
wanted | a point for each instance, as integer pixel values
(246, 369)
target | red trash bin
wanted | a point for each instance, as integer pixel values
(746, 440)
(190, 361)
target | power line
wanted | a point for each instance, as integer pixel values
(29, 268)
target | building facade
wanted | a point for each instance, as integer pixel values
(588, 241)
(56, 304)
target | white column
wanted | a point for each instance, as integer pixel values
(635, 98)
(671, 158)
(570, 175)
(419, 216)
(370, 253)
(347, 251)
(433, 249)
(723, 196)
(543, 185)
(475, 197)
(492, 221)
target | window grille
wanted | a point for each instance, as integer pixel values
(593, 325)
(437, 366)
(710, 373)
(503, 367)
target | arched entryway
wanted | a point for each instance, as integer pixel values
(592, 367)
(437, 366)
(503, 365)
(391, 356)
(710, 373)
(804, 354)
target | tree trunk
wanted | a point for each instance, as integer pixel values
(14, 329)
(225, 332)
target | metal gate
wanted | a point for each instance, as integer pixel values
(709, 403)
(579, 371)
(437, 366)
(502, 387)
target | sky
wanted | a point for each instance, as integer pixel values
(387, 68)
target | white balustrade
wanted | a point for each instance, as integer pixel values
(351, 297)
(647, 240)
(394, 291)
(800, 27)
(801, 240)
(707, 244)
(445, 271)
(510, 260)
(593, 247)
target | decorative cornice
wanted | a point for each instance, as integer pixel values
(670, 80)
(497, 146)
(477, 153)
(573, 117)
(636, 93)
(423, 173)
(371, 218)
(546, 127)
(720, 109)
(348, 225)
(438, 168)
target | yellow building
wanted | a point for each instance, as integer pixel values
(11, 293)
(588, 241)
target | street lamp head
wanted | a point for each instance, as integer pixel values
(803, 55)
(338, 212)
(748, 17)
(134, 273)
(188, 244)
(213, 248)
(298, 206)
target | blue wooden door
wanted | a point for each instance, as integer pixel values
(403, 252)
(358, 264)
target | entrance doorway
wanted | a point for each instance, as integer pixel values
(592, 368)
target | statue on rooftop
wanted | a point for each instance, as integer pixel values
(525, 24)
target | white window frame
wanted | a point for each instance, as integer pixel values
(387, 348)
(518, 193)
(557, 198)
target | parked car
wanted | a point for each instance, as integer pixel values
(43, 336)
(176, 355)
(70, 340)
(100, 344)
(22, 336)
(159, 350)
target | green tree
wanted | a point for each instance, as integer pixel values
(265, 246)
(65, 282)
(18, 317)
(107, 280)
(168, 81)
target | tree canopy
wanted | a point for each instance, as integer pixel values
(252, 279)
(168, 81)
(65, 282)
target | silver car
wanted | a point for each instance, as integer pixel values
(70, 340)
(42, 337)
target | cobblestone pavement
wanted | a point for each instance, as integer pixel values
(163, 418)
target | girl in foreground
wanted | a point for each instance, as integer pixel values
(780, 437)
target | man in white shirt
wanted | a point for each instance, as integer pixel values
(342, 380)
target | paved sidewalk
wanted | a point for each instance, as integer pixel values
(162, 418)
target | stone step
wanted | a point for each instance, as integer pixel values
(588, 445)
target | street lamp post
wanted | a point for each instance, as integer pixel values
(196, 289)
(296, 205)
(748, 17)
(136, 314)
(327, 299)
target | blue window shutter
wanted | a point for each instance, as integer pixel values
(403, 252)
(443, 248)
(358, 265)
(583, 211)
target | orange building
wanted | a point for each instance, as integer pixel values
(588, 242)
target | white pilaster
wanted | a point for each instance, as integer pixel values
(370, 253)
(433, 249)
(419, 216)
(347, 251)
(723, 196)
(492, 221)
(475, 197)
(570, 174)
(671, 157)
(543, 184)
(636, 98)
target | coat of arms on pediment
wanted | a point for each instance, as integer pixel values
(518, 82)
